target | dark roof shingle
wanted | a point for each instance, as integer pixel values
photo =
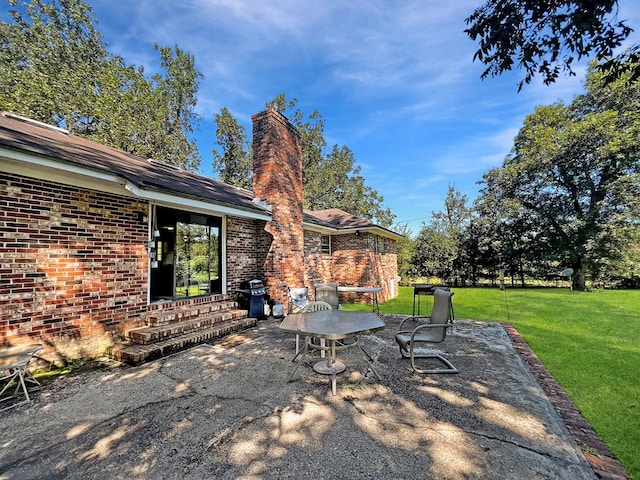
(25, 136)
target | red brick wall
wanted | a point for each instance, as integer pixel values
(277, 180)
(357, 263)
(353, 262)
(319, 266)
(247, 244)
(73, 266)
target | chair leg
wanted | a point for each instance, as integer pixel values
(23, 384)
(304, 354)
(298, 349)
(450, 368)
(369, 360)
(15, 376)
(320, 345)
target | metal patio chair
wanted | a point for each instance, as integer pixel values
(316, 306)
(327, 292)
(14, 371)
(298, 300)
(429, 330)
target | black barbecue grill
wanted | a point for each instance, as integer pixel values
(253, 297)
(423, 289)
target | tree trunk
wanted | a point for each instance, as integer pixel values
(578, 281)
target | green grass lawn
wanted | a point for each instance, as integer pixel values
(589, 341)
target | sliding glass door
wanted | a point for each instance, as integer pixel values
(185, 255)
(197, 260)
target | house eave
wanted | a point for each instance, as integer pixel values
(44, 168)
(351, 231)
(376, 230)
(182, 201)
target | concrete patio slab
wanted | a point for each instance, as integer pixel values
(226, 411)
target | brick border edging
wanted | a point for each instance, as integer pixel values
(605, 465)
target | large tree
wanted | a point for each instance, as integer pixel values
(545, 37)
(233, 161)
(50, 56)
(55, 68)
(504, 238)
(176, 96)
(574, 172)
(439, 247)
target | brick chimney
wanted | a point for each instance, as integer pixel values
(277, 181)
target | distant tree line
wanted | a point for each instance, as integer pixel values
(566, 197)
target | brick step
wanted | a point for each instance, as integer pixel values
(136, 354)
(192, 323)
(159, 318)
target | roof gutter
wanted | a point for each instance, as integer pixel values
(24, 158)
(377, 230)
(346, 231)
(193, 203)
(21, 163)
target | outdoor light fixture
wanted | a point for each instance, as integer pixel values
(143, 217)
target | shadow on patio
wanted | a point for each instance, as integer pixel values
(226, 411)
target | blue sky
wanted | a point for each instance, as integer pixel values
(394, 81)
